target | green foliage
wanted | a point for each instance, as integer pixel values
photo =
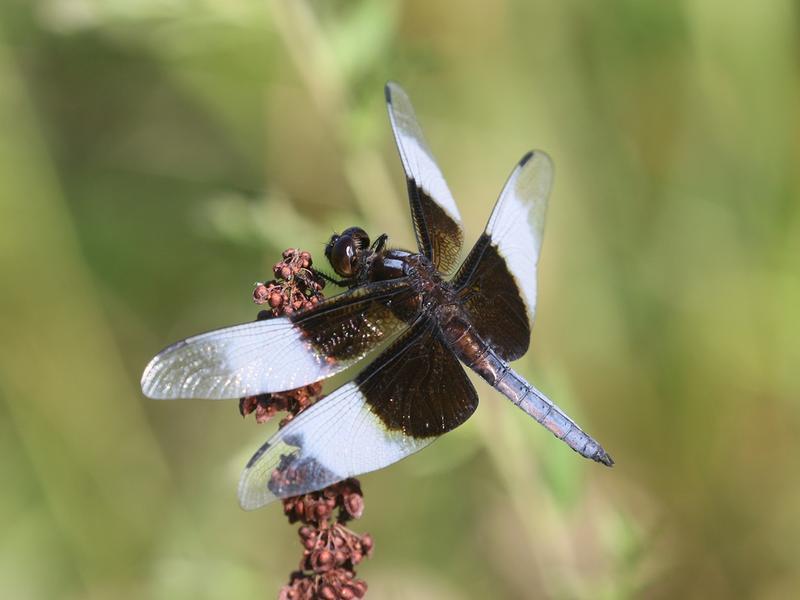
(155, 158)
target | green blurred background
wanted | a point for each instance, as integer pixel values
(155, 158)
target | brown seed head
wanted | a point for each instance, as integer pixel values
(330, 550)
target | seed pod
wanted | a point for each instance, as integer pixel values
(260, 294)
(354, 504)
(327, 592)
(275, 299)
(322, 561)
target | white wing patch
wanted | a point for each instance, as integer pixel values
(517, 222)
(337, 438)
(417, 158)
(253, 358)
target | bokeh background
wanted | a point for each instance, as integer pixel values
(156, 157)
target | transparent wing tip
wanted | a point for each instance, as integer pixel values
(392, 89)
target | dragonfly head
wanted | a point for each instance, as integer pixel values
(344, 251)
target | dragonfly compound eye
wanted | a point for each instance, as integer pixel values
(343, 255)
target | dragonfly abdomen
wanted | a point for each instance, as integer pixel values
(480, 357)
(541, 408)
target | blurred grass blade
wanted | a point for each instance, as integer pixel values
(89, 450)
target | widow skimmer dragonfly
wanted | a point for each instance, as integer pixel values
(416, 389)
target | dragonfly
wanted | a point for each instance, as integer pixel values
(420, 316)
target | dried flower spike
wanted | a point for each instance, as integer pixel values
(330, 550)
